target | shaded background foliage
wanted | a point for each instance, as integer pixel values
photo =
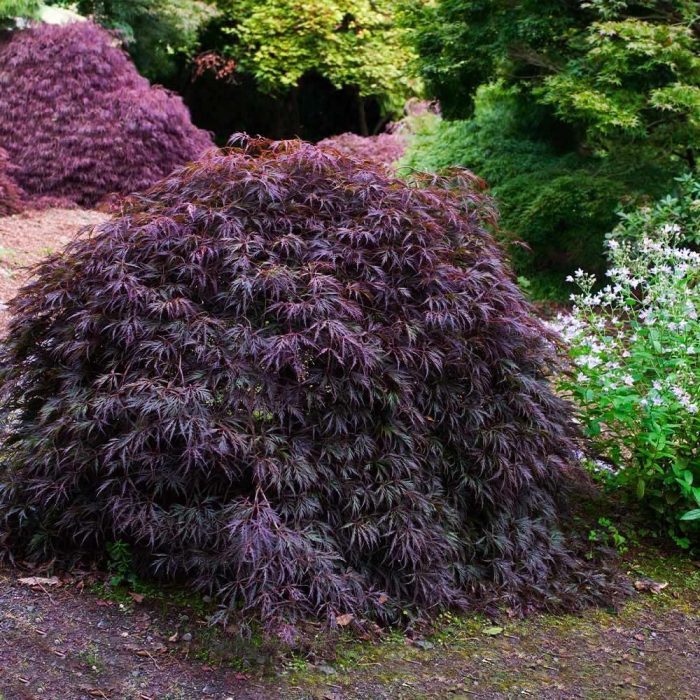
(159, 34)
(556, 203)
(310, 69)
(601, 98)
(289, 378)
(353, 43)
(95, 129)
(313, 110)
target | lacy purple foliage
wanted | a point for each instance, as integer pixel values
(296, 382)
(384, 149)
(79, 121)
(10, 193)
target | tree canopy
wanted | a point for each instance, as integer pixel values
(156, 32)
(351, 43)
(612, 87)
(616, 71)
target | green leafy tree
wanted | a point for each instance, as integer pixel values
(12, 9)
(633, 77)
(351, 43)
(156, 32)
(599, 102)
(616, 71)
(463, 44)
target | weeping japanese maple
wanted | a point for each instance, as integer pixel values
(78, 120)
(384, 149)
(299, 383)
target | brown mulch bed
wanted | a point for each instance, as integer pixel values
(28, 237)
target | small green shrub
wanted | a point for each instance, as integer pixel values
(556, 203)
(680, 210)
(120, 563)
(608, 534)
(635, 347)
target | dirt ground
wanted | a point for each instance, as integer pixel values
(73, 638)
(27, 237)
(68, 639)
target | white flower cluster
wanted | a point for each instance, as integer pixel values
(635, 366)
(684, 399)
(637, 337)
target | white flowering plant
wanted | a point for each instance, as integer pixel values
(635, 374)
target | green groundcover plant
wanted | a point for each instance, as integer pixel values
(635, 348)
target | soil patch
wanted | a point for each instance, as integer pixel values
(28, 237)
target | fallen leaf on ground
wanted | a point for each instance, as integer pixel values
(492, 631)
(40, 581)
(649, 586)
(136, 597)
(344, 620)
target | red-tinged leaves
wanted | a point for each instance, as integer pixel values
(383, 149)
(10, 193)
(300, 384)
(80, 123)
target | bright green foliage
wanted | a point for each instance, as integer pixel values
(156, 31)
(556, 204)
(634, 78)
(602, 106)
(350, 42)
(9, 9)
(17, 14)
(120, 564)
(635, 347)
(680, 210)
(608, 535)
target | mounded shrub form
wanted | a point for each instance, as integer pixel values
(298, 383)
(10, 194)
(80, 122)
